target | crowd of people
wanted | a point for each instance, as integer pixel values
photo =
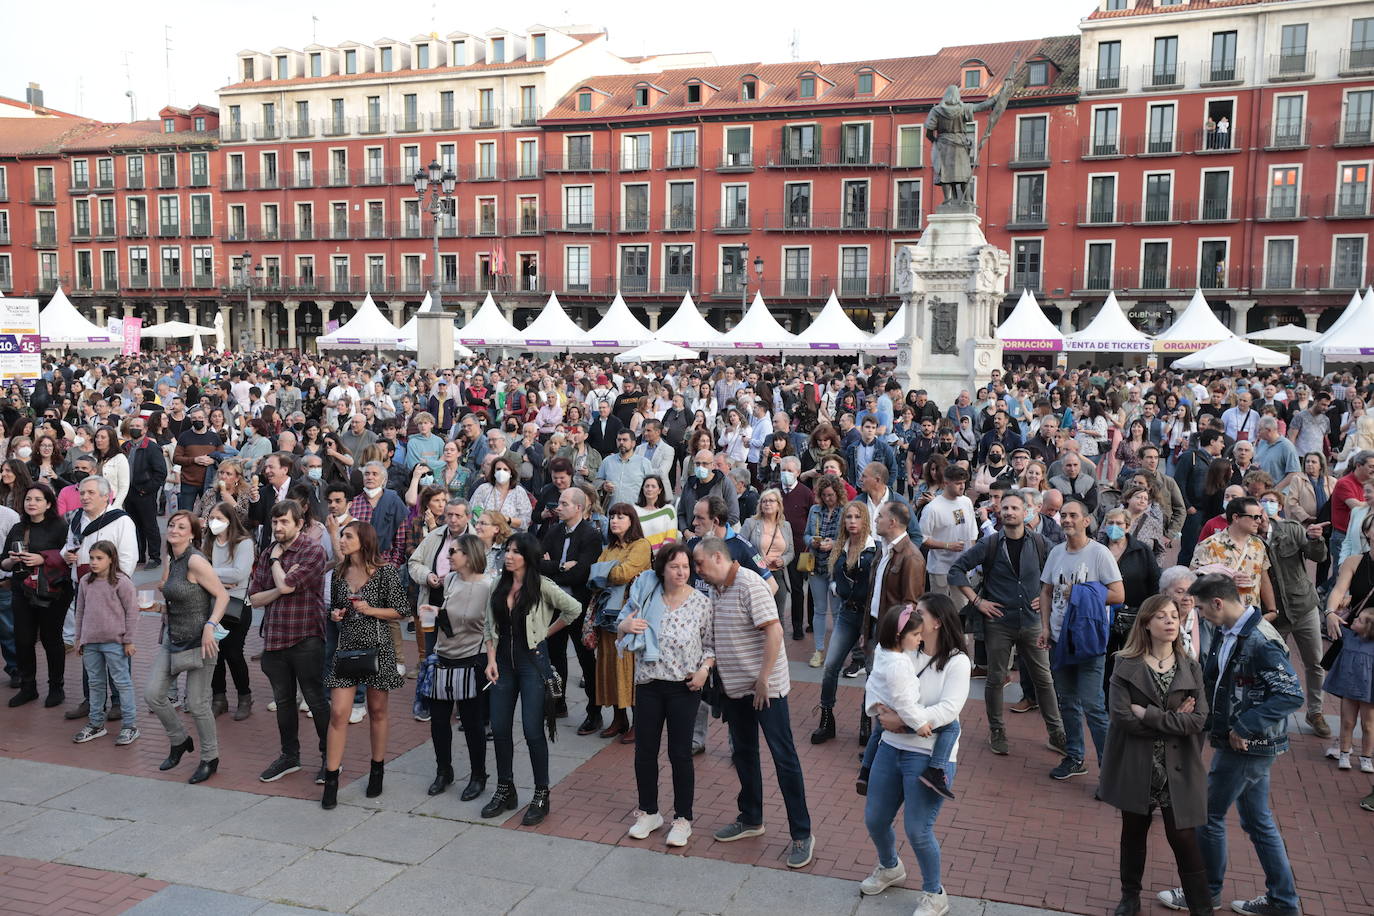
(1137, 545)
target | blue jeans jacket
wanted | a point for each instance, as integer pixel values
(1255, 694)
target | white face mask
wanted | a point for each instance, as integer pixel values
(341, 517)
(502, 475)
(79, 441)
(218, 526)
(24, 453)
(372, 492)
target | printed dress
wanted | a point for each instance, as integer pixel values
(359, 631)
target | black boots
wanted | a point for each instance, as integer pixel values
(374, 778)
(442, 780)
(503, 799)
(865, 730)
(244, 708)
(330, 798)
(27, 694)
(203, 772)
(175, 754)
(56, 697)
(826, 730)
(477, 784)
(1129, 905)
(1198, 893)
(538, 809)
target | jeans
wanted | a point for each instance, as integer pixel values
(9, 651)
(106, 660)
(674, 704)
(773, 720)
(1000, 640)
(187, 496)
(844, 637)
(894, 780)
(823, 605)
(142, 511)
(300, 666)
(947, 736)
(1243, 780)
(1334, 550)
(518, 677)
(231, 652)
(441, 732)
(1079, 690)
(160, 678)
(34, 624)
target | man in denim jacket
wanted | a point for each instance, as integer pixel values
(1253, 691)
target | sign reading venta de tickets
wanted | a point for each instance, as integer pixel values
(20, 341)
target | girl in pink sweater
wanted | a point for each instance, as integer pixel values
(106, 617)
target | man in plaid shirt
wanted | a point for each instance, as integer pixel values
(384, 511)
(288, 584)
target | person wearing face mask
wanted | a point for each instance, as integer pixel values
(229, 548)
(147, 474)
(1290, 545)
(706, 481)
(502, 492)
(1139, 577)
(192, 454)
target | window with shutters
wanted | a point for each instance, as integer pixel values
(739, 147)
(800, 144)
(798, 202)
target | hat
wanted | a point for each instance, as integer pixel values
(601, 379)
(443, 383)
(1020, 451)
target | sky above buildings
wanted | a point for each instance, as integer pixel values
(87, 55)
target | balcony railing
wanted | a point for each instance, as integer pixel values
(1218, 210)
(200, 179)
(1289, 133)
(1096, 279)
(300, 128)
(269, 181)
(1357, 61)
(408, 123)
(685, 158)
(1160, 144)
(1214, 141)
(1168, 76)
(482, 171)
(1298, 276)
(138, 281)
(136, 229)
(732, 220)
(4, 235)
(740, 161)
(1355, 130)
(844, 220)
(107, 184)
(680, 219)
(1026, 279)
(1277, 207)
(1098, 214)
(1026, 216)
(169, 230)
(80, 185)
(1156, 212)
(484, 118)
(170, 280)
(1103, 80)
(234, 182)
(525, 117)
(578, 162)
(635, 223)
(44, 194)
(166, 179)
(844, 155)
(1283, 67)
(444, 119)
(45, 238)
(134, 183)
(528, 168)
(1221, 71)
(1348, 205)
(202, 280)
(333, 127)
(1102, 147)
(1030, 154)
(635, 160)
(81, 232)
(106, 230)
(526, 224)
(371, 124)
(338, 178)
(584, 222)
(231, 133)
(908, 216)
(269, 130)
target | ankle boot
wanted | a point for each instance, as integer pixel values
(826, 729)
(442, 780)
(330, 798)
(1129, 905)
(539, 807)
(245, 707)
(1198, 893)
(175, 754)
(28, 692)
(204, 771)
(374, 778)
(219, 705)
(503, 799)
(477, 784)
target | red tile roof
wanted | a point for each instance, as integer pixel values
(911, 78)
(54, 136)
(39, 136)
(1148, 7)
(40, 109)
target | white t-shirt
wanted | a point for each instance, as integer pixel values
(944, 519)
(1065, 568)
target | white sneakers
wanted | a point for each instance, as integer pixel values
(1367, 764)
(817, 659)
(680, 832)
(928, 904)
(645, 824)
(357, 715)
(1342, 759)
(883, 878)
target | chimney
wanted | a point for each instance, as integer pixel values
(33, 95)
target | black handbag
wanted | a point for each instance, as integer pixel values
(357, 664)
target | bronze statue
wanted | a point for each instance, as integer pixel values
(949, 127)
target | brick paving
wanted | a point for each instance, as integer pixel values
(1014, 835)
(34, 888)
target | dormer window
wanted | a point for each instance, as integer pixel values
(749, 90)
(973, 79)
(865, 84)
(317, 64)
(283, 67)
(808, 87)
(1113, 5)
(460, 53)
(386, 61)
(538, 46)
(498, 50)
(693, 93)
(248, 69)
(350, 61)
(168, 125)
(1038, 73)
(200, 124)
(641, 96)
(422, 57)
(584, 101)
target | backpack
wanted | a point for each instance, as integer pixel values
(1083, 634)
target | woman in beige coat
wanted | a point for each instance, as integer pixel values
(1306, 491)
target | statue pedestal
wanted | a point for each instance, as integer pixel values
(954, 280)
(434, 340)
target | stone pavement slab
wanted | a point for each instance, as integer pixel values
(493, 853)
(49, 834)
(137, 848)
(286, 820)
(651, 877)
(228, 863)
(327, 880)
(140, 799)
(767, 891)
(545, 900)
(397, 837)
(182, 901)
(447, 888)
(28, 782)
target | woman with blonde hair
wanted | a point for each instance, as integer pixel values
(771, 536)
(849, 568)
(493, 529)
(231, 486)
(1034, 477)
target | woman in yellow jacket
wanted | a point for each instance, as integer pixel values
(627, 555)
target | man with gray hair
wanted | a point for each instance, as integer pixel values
(384, 511)
(1273, 453)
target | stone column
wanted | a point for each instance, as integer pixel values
(654, 314)
(398, 313)
(291, 305)
(1240, 310)
(879, 319)
(1067, 307)
(260, 323)
(1311, 318)
(434, 331)
(161, 312)
(100, 315)
(468, 308)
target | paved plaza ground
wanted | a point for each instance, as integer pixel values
(97, 829)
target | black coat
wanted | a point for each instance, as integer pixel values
(147, 468)
(604, 442)
(584, 548)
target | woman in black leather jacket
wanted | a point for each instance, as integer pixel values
(851, 566)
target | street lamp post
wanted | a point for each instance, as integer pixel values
(248, 298)
(758, 272)
(438, 184)
(743, 278)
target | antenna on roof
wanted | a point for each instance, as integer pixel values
(314, 29)
(129, 86)
(795, 44)
(167, 60)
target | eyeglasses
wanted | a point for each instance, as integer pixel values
(1250, 516)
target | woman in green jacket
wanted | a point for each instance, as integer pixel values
(525, 610)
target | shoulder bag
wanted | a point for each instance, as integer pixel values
(358, 664)
(806, 560)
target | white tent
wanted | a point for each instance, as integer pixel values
(1027, 328)
(1283, 334)
(757, 330)
(410, 332)
(688, 327)
(833, 330)
(219, 331)
(368, 329)
(656, 351)
(1198, 327)
(1110, 331)
(1231, 353)
(552, 329)
(1355, 340)
(175, 329)
(618, 328)
(1312, 352)
(890, 336)
(61, 325)
(489, 328)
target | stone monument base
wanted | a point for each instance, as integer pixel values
(434, 340)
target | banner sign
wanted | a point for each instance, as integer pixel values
(131, 335)
(20, 341)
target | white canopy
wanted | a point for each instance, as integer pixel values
(489, 328)
(1196, 328)
(1312, 352)
(656, 351)
(890, 336)
(1355, 340)
(1231, 353)
(61, 325)
(758, 330)
(1111, 331)
(552, 329)
(1284, 333)
(688, 326)
(219, 331)
(1027, 328)
(410, 332)
(175, 329)
(368, 329)
(833, 330)
(618, 328)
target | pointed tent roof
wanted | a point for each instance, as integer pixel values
(410, 331)
(368, 329)
(833, 330)
(1231, 353)
(618, 328)
(1356, 337)
(1284, 333)
(1027, 328)
(688, 327)
(1196, 328)
(757, 330)
(1311, 352)
(552, 329)
(656, 351)
(1110, 331)
(891, 334)
(61, 325)
(489, 328)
